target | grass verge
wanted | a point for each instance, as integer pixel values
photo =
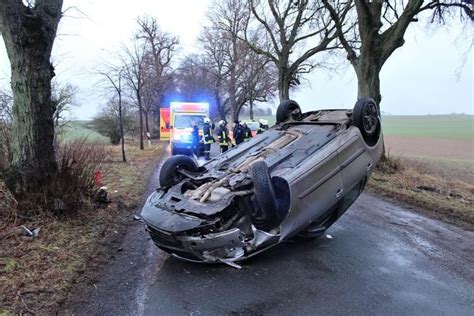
(426, 187)
(37, 273)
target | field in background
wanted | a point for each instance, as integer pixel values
(456, 127)
(431, 165)
(444, 138)
(79, 130)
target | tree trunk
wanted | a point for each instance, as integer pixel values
(158, 117)
(147, 127)
(140, 114)
(368, 81)
(122, 136)
(29, 34)
(283, 85)
(251, 110)
(235, 114)
(219, 105)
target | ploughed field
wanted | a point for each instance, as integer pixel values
(440, 137)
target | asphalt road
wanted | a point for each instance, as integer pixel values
(381, 259)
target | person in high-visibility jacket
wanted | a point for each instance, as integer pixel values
(223, 136)
(247, 131)
(263, 126)
(207, 138)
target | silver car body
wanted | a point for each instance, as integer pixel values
(319, 166)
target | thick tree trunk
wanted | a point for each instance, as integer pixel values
(283, 85)
(219, 105)
(368, 81)
(235, 114)
(29, 34)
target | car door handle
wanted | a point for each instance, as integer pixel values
(339, 192)
(369, 166)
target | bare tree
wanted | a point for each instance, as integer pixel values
(113, 79)
(6, 104)
(28, 32)
(236, 68)
(134, 74)
(6, 117)
(378, 29)
(113, 121)
(259, 80)
(193, 79)
(290, 27)
(64, 99)
(160, 49)
(214, 51)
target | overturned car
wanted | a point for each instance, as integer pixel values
(296, 179)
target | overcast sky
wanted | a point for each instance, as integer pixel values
(431, 74)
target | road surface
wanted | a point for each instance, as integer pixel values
(382, 259)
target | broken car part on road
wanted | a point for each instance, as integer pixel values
(296, 179)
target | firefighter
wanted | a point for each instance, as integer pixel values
(207, 138)
(238, 133)
(223, 136)
(195, 138)
(263, 126)
(247, 131)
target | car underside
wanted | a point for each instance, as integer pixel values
(295, 179)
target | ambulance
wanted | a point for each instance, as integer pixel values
(182, 115)
(165, 124)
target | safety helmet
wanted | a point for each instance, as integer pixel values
(263, 121)
(207, 120)
(221, 122)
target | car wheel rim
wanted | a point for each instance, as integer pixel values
(370, 118)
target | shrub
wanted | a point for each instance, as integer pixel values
(390, 164)
(74, 182)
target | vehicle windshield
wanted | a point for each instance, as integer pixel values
(186, 120)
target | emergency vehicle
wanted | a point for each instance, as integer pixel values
(165, 124)
(183, 114)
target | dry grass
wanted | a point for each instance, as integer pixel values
(36, 273)
(424, 185)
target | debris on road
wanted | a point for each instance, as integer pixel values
(101, 196)
(328, 236)
(137, 218)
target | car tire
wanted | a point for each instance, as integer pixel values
(286, 109)
(265, 196)
(168, 172)
(366, 118)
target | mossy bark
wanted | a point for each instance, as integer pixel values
(29, 33)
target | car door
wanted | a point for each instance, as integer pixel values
(317, 188)
(355, 161)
